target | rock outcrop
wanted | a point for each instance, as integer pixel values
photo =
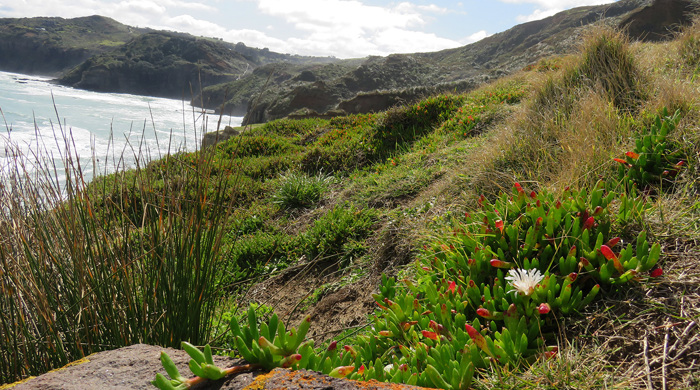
(134, 367)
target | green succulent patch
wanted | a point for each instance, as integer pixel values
(655, 160)
(485, 294)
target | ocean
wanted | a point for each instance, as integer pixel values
(106, 131)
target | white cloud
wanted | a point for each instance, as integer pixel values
(477, 36)
(548, 8)
(349, 28)
(538, 14)
(342, 28)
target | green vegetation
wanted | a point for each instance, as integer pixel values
(531, 232)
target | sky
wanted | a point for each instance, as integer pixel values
(338, 28)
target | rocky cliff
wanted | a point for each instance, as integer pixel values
(159, 64)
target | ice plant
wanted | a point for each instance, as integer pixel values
(451, 286)
(524, 281)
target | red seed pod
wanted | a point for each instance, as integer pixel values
(656, 273)
(632, 155)
(598, 210)
(483, 312)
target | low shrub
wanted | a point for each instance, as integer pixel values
(254, 145)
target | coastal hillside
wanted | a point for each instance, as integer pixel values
(101, 54)
(50, 46)
(173, 65)
(537, 231)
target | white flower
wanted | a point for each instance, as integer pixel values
(524, 281)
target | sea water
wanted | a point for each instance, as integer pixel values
(104, 131)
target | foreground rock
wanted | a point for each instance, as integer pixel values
(134, 367)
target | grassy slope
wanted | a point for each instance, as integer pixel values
(321, 208)
(415, 188)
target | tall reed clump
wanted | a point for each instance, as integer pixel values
(130, 258)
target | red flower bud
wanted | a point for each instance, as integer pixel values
(656, 273)
(499, 225)
(332, 346)
(544, 308)
(349, 349)
(500, 264)
(519, 188)
(632, 155)
(483, 312)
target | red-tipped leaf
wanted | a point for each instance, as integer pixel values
(478, 339)
(430, 335)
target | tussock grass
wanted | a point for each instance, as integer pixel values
(131, 258)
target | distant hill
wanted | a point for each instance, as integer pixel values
(101, 54)
(379, 82)
(50, 46)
